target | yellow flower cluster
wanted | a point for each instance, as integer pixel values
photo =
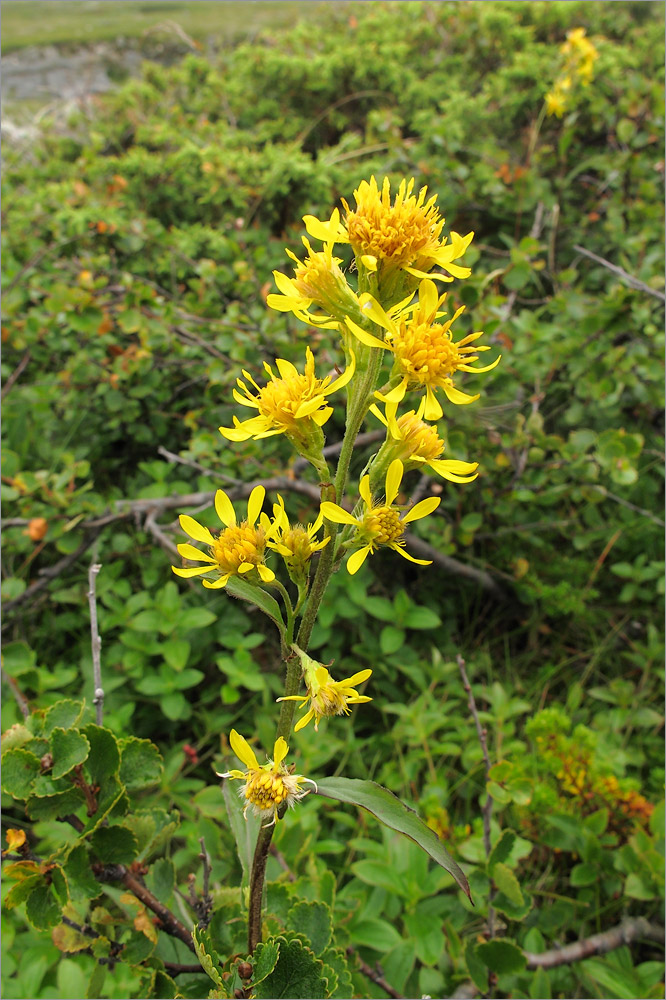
(580, 57)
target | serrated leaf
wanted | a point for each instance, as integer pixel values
(69, 748)
(53, 806)
(62, 714)
(111, 795)
(104, 759)
(207, 955)
(389, 810)
(502, 849)
(42, 909)
(260, 598)
(114, 845)
(82, 882)
(507, 883)
(68, 939)
(16, 736)
(476, 968)
(298, 974)
(20, 892)
(336, 959)
(19, 770)
(140, 763)
(314, 921)
(501, 956)
(265, 959)
(160, 986)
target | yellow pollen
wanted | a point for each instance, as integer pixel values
(397, 233)
(329, 701)
(237, 545)
(426, 353)
(299, 544)
(383, 524)
(281, 398)
(265, 790)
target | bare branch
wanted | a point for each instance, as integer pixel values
(96, 643)
(479, 576)
(375, 976)
(633, 929)
(20, 699)
(635, 283)
(51, 572)
(16, 374)
(170, 923)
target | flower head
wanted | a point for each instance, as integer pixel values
(417, 444)
(295, 543)
(425, 354)
(324, 695)
(269, 786)
(403, 234)
(317, 281)
(380, 523)
(238, 550)
(290, 403)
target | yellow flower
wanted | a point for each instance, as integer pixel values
(238, 550)
(380, 524)
(296, 544)
(326, 696)
(556, 103)
(405, 234)
(290, 403)
(269, 786)
(425, 355)
(417, 444)
(319, 281)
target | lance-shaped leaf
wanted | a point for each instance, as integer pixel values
(246, 591)
(390, 811)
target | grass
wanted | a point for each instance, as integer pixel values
(80, 22)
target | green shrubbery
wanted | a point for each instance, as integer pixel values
(138, 251)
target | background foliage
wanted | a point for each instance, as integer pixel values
(137, 254)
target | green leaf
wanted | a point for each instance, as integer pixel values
(245, 831)
(380, 874)
(540, 988)
(176, 652)
(163, 878)
(62, 714)
(82, 882)
(502, 849)
(114, 845)
(583, 874)
(507, 883)
(380, 608)
(388, 809)
(140, 763)
(421, 618)
(391, 639)
(509, 909)
(52, 806)
(298, 974)
(160, 986)
(314, 921)
(19, 770)
(96, 981)
(196, 618)
(104, 759)
(429, 941)
(336, 959)
(69, 748)
(476, 968)
(375, 933)
(21, 890)
(41, 908)
(207, 955)
(616, 983)
(260, 598)
(501, 956)
(265, 959)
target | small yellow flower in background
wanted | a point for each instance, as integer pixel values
(317, 280)
(405, 234)
(237, 551)
(324, 695)
(417, 444)
(267, 786)
(581, 56)
(556, 103)
(424, 351)
(296, 544)
(380, 524)
(291, 403)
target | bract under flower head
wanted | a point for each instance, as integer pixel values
(418, 444)
(380, 524)
(290, 403)
(403, 234)
(295, 543)
(317, 281)
(239, 550)
(326, 696)
(269, 786)
(425, 355)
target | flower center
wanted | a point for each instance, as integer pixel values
(419, 438)
(280, 398)
(426, 353)
(236, 545)
(383, 524)
(299, 544)
(266, 789)
(329, 701)
(397, 233)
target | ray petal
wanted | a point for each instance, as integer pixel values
(195, 530)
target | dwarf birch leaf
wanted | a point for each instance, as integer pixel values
(69, 748)
(265, 959)
(104, 756)
(19, 770)
(62, 714)
(207, 955)
(501, 956)
(313, 920)
(140, 763)
(507, 883)
(297, 974)
(502, 849)
(390, 811)
(258, 596)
